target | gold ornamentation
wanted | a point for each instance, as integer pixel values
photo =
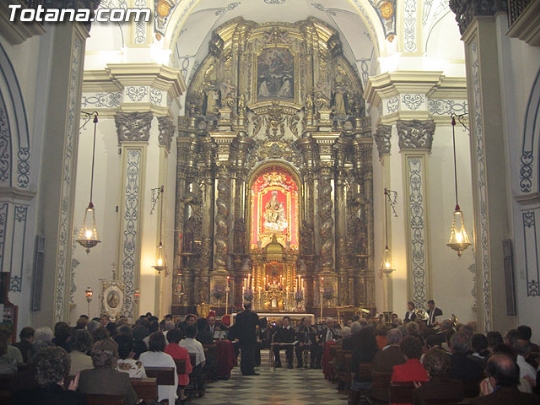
(387, 10)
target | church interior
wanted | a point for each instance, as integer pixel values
(329, 157)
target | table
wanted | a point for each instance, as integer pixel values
(226, 359)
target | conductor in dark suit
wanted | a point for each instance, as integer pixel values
(433, 312)
(245, 331)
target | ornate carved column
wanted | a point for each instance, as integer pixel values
(133, 131)
(487, 148)
(222, 216)
(415, 140)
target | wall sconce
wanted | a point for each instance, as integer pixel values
(386, 264)
(88, 236)
(161, 263)
(89, 294)
(137, 296)
(459, 240)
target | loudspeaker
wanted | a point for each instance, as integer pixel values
(509, 282)
(37, 273)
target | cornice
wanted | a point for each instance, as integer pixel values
(99, 81)
(450, 87)
(527, 26)
(17, 32)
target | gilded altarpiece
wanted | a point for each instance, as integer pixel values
(274, 175)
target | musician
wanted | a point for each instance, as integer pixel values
(331, 332)
(284, 339)
(433, 313)
(306, 337)
(410, 315)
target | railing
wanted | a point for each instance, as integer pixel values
(515, 8)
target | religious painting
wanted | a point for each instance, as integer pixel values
(275, 74)
(112, 298)
(274, 206)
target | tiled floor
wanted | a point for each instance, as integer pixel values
(280, 386)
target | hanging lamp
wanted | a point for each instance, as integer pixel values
(160, 254)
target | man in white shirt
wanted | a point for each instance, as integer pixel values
(527, 373)
(193, 346)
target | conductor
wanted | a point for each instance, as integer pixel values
(245, 331)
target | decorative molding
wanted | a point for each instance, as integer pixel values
(417, 213)
(63, 244)
(529, 167)
(156, 97)
(531, 242)
(447, 107)
(110, 99)
(481, 183)
(133, 127)
(4, 210)
(5, 145)
(130, 242)
(18, 239)
(467, 10)
(409, 26)
(392, 105)
(413, 101)
(136, 93)
(382, 139)
(415, 134)
(140, 26)
(166, 131)
(16, 32)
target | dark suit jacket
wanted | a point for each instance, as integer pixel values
(51, 395)
(284, 335)
(431, 319)
(107, 381)
(465, 369)
(439, 388)
(386, 359)
(245, 325)
(507, 396)
(409, 317)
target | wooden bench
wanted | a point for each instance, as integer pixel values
(94, 399)
(146, 388)
(163, 375)
(401, 393)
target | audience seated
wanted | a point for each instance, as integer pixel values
(10, 352)
(62, 335)
(104, 379)
(126, 363)
(382, 329)
(349, 342)
(390, 355)
(8, 365)
(179, 353)
(463, 368)
(494, 338)
(190, 343)
(527, 373)
(25, 344)
(412, 370)
(203, 335)
(156, 357)
(501, 385)
(82, 342)
(440, 386)
(365, 350)
(52, 367)
(479, 344)
(43, 337)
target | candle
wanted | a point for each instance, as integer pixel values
(243, 291)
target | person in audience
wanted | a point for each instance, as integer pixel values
(51, 368)
(440, 386)
(193, 346)
(412, 370)
(179, 353)
(153, 327)
(385, 360)
(107, 324)
(382, 330)
(284, 339)
(8, 364)
(100, 333)
(463, 368)
(62, 335)
(140, 331)
(167, 326)
(526, 333)
(306, 337)
(413, 329)
(212, 325)
(10, 352)
(126, 363)
(82, 342)
(479, 344)
(104, 378)
(25, 344)
(156, 357)
(190, 319)
(527, 373)
(43, 337)
(501, 385)
(511, 337)
(81, 323)
(364, 352)
(410, 315)
(203, 335)
(349, 343)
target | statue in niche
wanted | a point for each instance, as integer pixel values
(189, 235)
(274, 214)
(306, 238)
(212, 101)
(339, 102)
(239, 236)
(227, 90)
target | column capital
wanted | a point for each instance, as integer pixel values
(415, 134)
(382, 139)
(166, 131)
(133, 127)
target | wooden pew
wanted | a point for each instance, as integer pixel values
(146, 388)
(94, 399)
(401, 393)
(163, 375)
